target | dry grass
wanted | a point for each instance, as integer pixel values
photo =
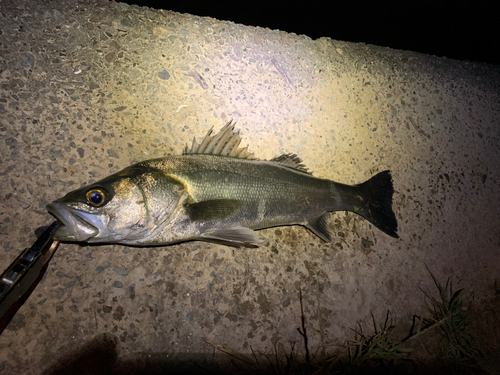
(380, 351)
(449, 315)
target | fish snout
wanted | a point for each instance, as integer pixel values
(74, 227)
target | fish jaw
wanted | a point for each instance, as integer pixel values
(77, 225)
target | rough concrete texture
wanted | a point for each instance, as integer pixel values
(89, 87)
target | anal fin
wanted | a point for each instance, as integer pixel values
(318, 226)
(235, 236)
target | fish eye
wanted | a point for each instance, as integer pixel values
(96, 197)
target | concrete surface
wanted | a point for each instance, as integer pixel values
(89, 87)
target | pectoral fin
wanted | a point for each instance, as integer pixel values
(216, 209)
(318, 226)
(236, 236)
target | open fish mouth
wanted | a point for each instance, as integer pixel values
(75, 224)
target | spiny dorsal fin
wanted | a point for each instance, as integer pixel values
(224, 143)
(291, 161)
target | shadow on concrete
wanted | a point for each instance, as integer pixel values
(100, 356)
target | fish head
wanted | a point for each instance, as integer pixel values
(122, 208)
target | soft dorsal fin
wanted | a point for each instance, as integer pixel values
(291, 161)
(224, 143)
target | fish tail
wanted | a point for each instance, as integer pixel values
(374, 203)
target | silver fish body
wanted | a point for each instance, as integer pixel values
(215, 192)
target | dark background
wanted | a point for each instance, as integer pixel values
(461, 29)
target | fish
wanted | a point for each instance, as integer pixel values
(215, 191)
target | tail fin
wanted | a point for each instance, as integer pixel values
(375, 203)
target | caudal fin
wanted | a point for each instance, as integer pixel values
(375, 203)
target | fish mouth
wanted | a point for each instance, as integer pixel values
(75, 224)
